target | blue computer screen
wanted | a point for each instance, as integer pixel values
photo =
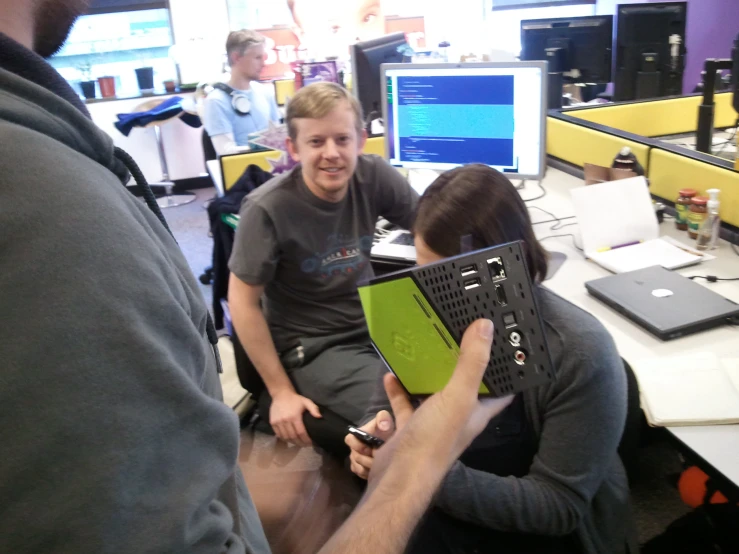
(440, 121)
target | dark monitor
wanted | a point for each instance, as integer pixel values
(580, 47)
(366, 60)
(650, 50)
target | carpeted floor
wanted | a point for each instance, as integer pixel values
(288, 484)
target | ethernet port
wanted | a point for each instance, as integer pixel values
(497, 270)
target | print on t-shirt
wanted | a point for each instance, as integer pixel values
(343, 255)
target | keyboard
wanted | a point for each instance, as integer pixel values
(404, 238)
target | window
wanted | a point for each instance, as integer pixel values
(258, 14)
(116, 44)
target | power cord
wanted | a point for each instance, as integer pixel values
(558, 220)
(713, 278)
(542, 195)
(562, 236)
(557, 226)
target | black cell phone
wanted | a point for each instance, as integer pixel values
(364, 437)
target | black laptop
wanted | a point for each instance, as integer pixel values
(665, 303)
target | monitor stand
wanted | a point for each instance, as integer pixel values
(554, 91)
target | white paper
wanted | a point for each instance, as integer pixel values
(693, 389)
(614, 213)
(646, 254)
(704, 255)
(621, 212)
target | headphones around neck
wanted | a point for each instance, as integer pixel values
(239, 101)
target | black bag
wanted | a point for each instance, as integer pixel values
(709, 529)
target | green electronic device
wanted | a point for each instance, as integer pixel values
(417, 316)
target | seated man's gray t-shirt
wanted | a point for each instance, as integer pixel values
(310, 254)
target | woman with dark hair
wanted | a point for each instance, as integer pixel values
(545, 475)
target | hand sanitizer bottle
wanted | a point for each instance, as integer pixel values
(709, 231)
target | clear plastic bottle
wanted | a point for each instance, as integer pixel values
(709, 230)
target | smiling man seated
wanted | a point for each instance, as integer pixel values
(304, 242)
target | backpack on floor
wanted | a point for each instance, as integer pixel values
(709, 529)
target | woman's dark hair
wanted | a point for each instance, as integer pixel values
(481, 202)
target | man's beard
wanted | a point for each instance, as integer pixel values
(53, 22)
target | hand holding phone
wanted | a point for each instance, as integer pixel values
(365, 438)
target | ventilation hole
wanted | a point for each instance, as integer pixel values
(518, 258)
(541, 348)
(523, 295)
(533, 312)
(532, 331)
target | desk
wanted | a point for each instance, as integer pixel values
(717, 446)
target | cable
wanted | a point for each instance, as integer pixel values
(559, 236)
(542, 195)
(568, 225)
(557, 220)
(713, 278)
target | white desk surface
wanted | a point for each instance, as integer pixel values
(214, 170)
(717, 445)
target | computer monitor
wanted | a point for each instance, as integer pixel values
(366, 60)
(441, 116)
(580, 47)
(650, 50)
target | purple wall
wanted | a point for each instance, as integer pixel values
(712, 27)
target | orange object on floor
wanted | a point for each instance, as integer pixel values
(693, 488)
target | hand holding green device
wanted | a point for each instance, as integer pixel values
(416, 318)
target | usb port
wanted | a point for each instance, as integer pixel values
(468, 270)
(470, 284)
(497, 270)
(500, 295)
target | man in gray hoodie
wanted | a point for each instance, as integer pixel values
(113, 433)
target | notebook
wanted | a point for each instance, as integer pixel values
(693, 389)
(620, 231)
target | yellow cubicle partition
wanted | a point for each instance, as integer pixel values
(657, 118)
(233, 165)
(578, 145)
(669, 172)
(596, 134)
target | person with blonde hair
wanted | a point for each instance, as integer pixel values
(241, 106)
(303, 242)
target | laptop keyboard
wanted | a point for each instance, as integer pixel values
(404, 239)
